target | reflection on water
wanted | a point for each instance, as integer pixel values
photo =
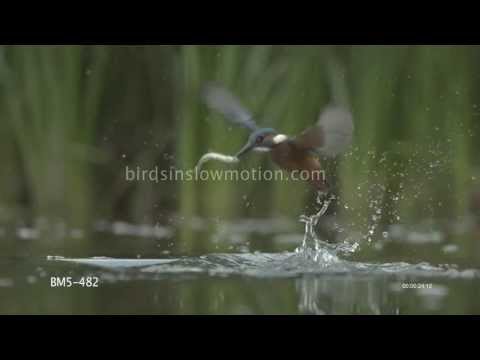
(337, 287)
(394, 278)
(321, 296)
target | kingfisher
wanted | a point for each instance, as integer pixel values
(329, 137)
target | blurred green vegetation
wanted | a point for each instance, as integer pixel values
(73, 117)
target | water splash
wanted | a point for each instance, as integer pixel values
(264, 265)
(314, 248)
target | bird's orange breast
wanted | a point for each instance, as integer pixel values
(289, 157)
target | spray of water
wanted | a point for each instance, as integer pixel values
(314, 248)
(381, 202)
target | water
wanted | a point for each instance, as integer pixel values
(262, 266)
(267, 266)
(312, 246)
(259, 283)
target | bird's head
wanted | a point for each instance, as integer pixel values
(262, 140)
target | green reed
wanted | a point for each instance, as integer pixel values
(49, 106)
(74, 117)
(411, 152)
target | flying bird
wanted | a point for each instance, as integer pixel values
(329, 137)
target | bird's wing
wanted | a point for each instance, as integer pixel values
(331, 135)
(221, 100)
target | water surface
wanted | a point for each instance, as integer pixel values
(424, 273)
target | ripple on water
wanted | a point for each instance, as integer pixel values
(271, 265)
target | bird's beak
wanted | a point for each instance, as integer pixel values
(249, 146)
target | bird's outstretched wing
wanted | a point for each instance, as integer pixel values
(221, 100)
(331, 135)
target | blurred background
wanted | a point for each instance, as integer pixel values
(73, 117)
